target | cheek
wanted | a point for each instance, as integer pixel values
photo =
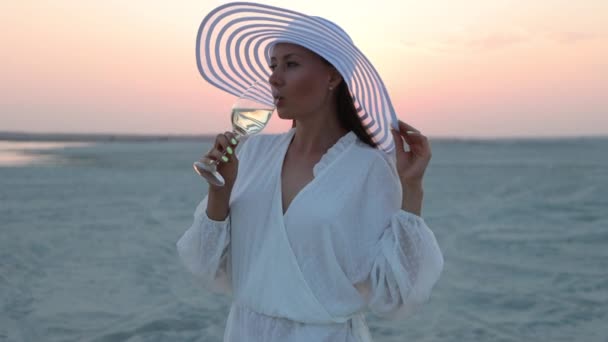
(306, 88)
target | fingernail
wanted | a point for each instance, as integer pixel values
(411, 132)
(229, 150)
(225, 159)
(233, 141)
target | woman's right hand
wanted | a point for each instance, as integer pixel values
(228, 164)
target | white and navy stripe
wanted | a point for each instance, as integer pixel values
(232, 52)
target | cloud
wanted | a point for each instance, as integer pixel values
(496, 40)
(573, 37)
(481, 42)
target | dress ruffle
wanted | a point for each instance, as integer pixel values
(333, 152)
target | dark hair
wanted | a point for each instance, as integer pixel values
(348, 117)
(347, 113)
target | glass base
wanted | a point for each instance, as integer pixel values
(209, 172)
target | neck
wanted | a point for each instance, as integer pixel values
(315, 136)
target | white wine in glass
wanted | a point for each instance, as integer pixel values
(250, 114)
(247, 121)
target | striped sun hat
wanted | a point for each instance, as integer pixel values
(233, 51)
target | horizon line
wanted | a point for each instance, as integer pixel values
(107, 136)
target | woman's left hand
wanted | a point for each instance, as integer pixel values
(412, 164)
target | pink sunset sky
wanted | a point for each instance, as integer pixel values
(471, 68)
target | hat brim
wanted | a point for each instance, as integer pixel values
(232, 52)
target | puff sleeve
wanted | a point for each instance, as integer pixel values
(204, 249)
(406, 260)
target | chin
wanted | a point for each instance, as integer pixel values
(283, 115)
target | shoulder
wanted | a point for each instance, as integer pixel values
(379, 163)
(380, 187)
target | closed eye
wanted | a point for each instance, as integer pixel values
(289, 65)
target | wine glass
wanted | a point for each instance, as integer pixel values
(250, 114)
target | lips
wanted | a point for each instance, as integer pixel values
(278, 99)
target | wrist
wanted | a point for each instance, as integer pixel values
(219, 192)
(218, 205)
(413, 194)
(412, 185)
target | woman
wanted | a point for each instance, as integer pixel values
(316, 225)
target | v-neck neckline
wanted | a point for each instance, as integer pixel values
(284, 211)
(279, 188)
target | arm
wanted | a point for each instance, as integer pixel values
(411, 165)
(218, 204)
(406, 267)
(204, 249)
(406, 262)
(412, 198)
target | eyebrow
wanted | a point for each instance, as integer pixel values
(284, 57)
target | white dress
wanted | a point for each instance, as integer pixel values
(343, 246)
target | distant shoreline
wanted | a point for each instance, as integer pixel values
(108, 137)
(98, 137)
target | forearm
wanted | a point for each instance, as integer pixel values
(412, 198)
(218, 205)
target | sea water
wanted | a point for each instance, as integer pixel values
(88, 232)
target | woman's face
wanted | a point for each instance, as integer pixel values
(300, 80)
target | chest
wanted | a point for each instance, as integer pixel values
(295, 175)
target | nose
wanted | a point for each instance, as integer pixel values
(275, 78)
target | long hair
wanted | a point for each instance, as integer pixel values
(347, 113)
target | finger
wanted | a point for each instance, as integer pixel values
(215, 154)
(221, 142)
(415, 136)
(231, 142)
(211, 155)
(232, 138)
(418, 140)
(399, 131)
(398, 141)
(404, 127)
(206, 160)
